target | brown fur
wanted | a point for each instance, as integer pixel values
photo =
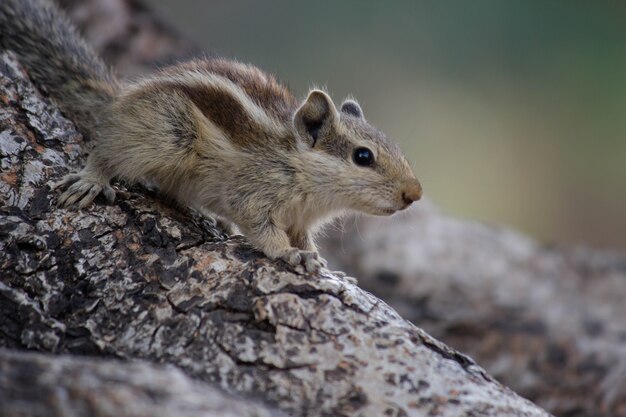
(226, 138)
(261, 87)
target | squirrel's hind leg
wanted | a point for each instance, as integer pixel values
(223, 223)
(82, 188)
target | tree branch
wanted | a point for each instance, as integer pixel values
(140, 279)
(544, 320)
(45, 385)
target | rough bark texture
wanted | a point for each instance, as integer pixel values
(141, 279)
(63, 386)
(547, 321)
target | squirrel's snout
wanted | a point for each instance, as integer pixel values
(412, 192)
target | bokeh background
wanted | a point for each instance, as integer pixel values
(513, 112)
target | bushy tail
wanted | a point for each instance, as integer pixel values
(57, 57)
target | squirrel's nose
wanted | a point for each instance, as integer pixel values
(412, 192)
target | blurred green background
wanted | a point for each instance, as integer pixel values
(513, 112)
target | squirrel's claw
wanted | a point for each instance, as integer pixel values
(312, 261)
(82, 191)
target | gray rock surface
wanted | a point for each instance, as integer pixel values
(140, 279)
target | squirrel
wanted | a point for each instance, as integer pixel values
(217, 135)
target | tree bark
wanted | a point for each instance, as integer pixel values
(541, 319)
(143, 280)
(62, 386)
(547, 321)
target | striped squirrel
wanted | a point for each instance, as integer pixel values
(216, 135)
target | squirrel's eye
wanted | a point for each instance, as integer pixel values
(363, 157)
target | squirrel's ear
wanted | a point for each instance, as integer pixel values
(352, 108)
(316, 116)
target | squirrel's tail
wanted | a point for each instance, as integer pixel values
(58, 58)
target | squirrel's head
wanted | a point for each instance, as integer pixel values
(359, 166)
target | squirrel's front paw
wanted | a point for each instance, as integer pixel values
(81, 191)
(311, 260)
